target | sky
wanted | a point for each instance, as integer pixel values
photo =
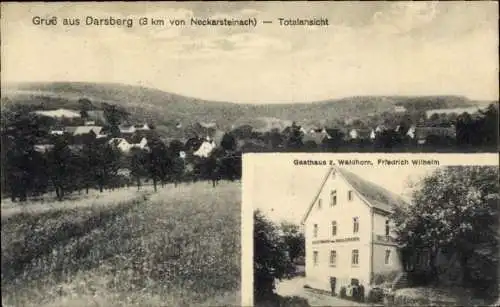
(369, 48)
(284, 191)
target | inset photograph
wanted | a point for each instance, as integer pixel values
(393, 234)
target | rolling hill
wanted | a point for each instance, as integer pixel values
(167, 109)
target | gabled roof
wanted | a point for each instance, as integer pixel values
(87, 129)
(316, 137)
(372, 194)
(117, 141)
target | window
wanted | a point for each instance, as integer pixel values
(333, 196)
(355, 257)
(333, 258)
(315, 258)
(387, 256)
(349, 195)
(387, 227)
(315, 233)
(355, 224)
(319, 203)
(334, 228)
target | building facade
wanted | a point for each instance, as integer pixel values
(348, 232)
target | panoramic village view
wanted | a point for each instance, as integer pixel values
(351, 241)
(122, 146)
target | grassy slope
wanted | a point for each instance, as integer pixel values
(167, 109)
(122, 253)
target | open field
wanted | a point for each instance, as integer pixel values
(177, 247)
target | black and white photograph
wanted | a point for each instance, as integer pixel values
(400, 232)
(124, 127)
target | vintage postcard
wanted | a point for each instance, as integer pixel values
(370, 229)
(124, 127)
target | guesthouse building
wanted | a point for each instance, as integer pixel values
(348, 232)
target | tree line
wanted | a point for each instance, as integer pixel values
(469, 133)
(64, 167)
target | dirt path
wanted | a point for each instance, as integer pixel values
(295, 287)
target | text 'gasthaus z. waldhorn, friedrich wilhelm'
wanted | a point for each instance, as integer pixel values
(367, 162)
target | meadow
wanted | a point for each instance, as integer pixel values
(179, 246)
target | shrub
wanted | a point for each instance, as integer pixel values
(275, 300)
(375, 295)
(423, 297)
(419, 278)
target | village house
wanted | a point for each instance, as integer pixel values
(348, 232)
(142, 127)
(205, 149)
(43, 148)
(127, 129)
(57, 132)
(120, 143)
(81, 130)
(399, 109)
(422, 134)
(316, 135)
(125, 146)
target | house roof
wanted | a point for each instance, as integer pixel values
(59, 113)
(87, 129)
(117, 141)
(316, 137)
(373, 195)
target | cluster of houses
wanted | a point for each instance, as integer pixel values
(416, 133)
(130, 136)
(419, 134)
(136, 136)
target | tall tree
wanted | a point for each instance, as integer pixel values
(62, 166)
(270, 259)
(85, 106)
(455, 209)
(138, 165)
(228, 142)
(107, 166)
(21, 164)
(114, 117)
(294, 240)
(177, 162)
(274, 139)
(488, 127)
(159, 163)
(294, 137)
